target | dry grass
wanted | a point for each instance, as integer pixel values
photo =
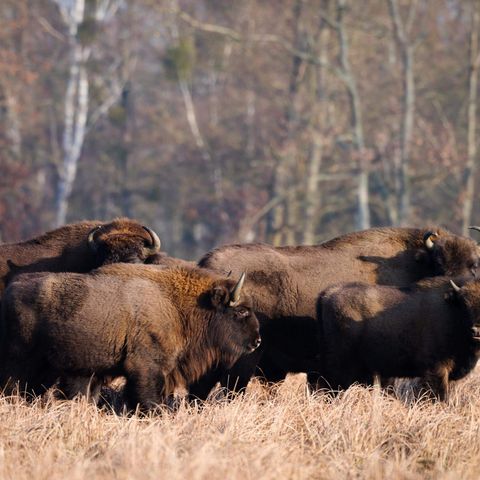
(279, 433)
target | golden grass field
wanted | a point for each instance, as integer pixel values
(270, 433)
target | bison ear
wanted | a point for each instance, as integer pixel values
(12, 266)
(220, 296)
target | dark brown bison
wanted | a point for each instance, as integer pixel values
(285, 283)
(427, 330)
(79, 247)
(161, 328)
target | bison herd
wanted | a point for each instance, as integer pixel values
(91, 301)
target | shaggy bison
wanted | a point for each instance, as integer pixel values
(79, 247)
(285, 283)
(161, 328)
(163, 260)
(427, 330)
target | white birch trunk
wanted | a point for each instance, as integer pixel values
(75, 109)
(200, 142)
(76, 106)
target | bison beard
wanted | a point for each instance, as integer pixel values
(285, 283)
(161, 328)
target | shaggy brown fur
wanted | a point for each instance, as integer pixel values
(426, 330)
(66, 249)
(285, 282)
(160, 328)
(164, 260)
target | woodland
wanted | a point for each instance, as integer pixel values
(281, 121)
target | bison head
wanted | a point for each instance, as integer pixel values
(449, 254)
(235, 327)
(123, 240)
(468, 296)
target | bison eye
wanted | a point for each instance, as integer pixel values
(242, 312)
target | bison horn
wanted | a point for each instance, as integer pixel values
(91, 239)
(235, 295)
(428, 239)
(155, 241)
(455, 286)
(473, 227)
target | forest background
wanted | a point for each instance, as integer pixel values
(212, 121)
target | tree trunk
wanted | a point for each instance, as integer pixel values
(77, 96)
(13, 128)
(314, 162)
(199, 140)
(363, 210)
(311, 189)
(283, 169)
(402, 31)
(469, 175)
(76, 111)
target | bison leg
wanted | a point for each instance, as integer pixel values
(90, 387)
(387, 383)
(204, 385)
(145, 385)
(437, 381)
(30, 376)
(343, 370)
(316, 381)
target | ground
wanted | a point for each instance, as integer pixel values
(276, 433)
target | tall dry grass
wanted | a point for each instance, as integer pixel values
(283, 432)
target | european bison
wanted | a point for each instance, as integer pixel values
(79, 247)
(161, 328)
(285, 283)
(164, 260)
(427, 330)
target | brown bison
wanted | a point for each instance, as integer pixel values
(161, 328)
(79, 247)
(285, 283)
(427, 330)
(164, 260)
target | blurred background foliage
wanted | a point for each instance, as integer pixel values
(286, 121)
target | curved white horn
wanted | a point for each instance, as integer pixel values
(429, 242)
(235, 295)
(455, 286)
(91, 239)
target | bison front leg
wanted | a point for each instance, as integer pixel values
(438, 381)
(145, 386)
(200, 389)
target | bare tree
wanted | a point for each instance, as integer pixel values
(363, 215)
(76, 107)
(402, 31)
(469, 175)
(319, 120)
(282, 214)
